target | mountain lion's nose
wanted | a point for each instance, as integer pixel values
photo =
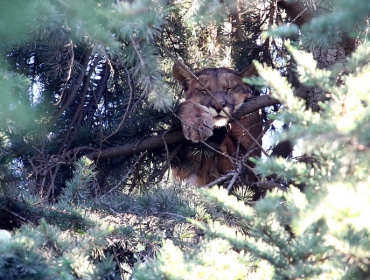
(218, 106)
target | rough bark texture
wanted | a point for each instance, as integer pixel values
(298, 11)
(301, 13)
(254, 105)
(144, 145)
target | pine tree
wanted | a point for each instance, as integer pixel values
(88, 132)
(317, 228)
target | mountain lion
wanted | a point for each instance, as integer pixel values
(205, 117)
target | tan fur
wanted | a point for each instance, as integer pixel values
(201, 114)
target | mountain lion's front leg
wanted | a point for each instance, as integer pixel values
(197, 122)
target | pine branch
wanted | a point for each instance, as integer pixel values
(172, 137)
(23, 212)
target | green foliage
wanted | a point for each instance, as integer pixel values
(44, 251)
(14, 108)
(78, 190)
(212, 260)
(76, 70)
(82, 76)
(82, 237)
(345, 17)
(321, 233)
(85, 76)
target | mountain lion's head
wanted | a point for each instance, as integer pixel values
(225, 85)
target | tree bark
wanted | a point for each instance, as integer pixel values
(146, 144)
(298, 11)
(302, 13)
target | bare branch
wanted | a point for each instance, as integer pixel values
(125, 177)
(220, 180)
(269, 185)
(145, 145)
(172, 137)
(255, 104)
(235, 177)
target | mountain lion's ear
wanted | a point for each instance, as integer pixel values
(249, 71)
(182, 75)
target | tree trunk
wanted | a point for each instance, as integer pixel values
(302, 13)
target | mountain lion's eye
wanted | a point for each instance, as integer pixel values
(234, 88)
(237, 88)
(202, 91)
